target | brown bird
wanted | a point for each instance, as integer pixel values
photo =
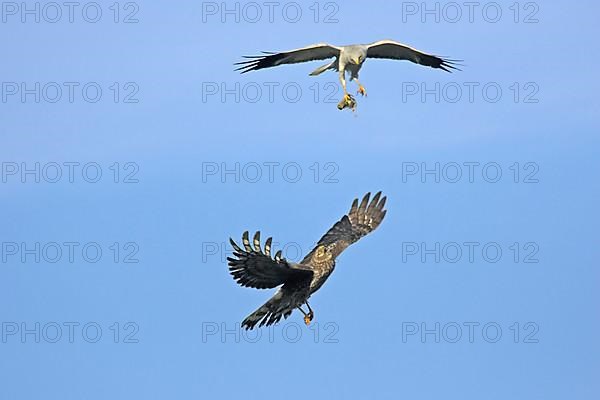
(255, 268)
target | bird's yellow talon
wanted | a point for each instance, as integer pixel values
(308, 317)
(361, 90)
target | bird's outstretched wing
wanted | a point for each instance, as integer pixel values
(397, 51)
(361, 220)
(313, 52)
(254, 268)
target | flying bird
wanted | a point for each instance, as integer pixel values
(347, 59)
(251, 266)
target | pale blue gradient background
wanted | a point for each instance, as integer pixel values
(171, 292)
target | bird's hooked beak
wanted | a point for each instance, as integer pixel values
(357, 60)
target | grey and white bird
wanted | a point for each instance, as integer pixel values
(347, 59)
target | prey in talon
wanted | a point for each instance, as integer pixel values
(348, 101)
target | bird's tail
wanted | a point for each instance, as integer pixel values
(271, 312)
(323, 68)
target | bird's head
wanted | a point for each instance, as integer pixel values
(321, 254)
(320, 251)
(358, 60)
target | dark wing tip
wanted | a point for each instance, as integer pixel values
(448, 64)
(383, 214)
(382, 203)
(278, 255)
(364, 202)
(248, 65)
(254, 63)
(376, 197)
(235, 246)
(244, 62)
(247, 68)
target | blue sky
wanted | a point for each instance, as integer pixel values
(131, 297)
